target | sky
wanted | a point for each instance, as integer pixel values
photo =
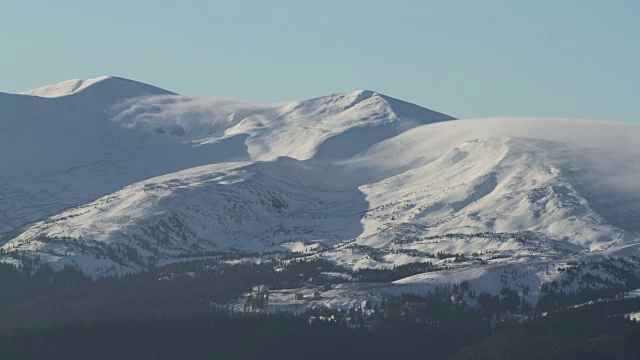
(561, 58)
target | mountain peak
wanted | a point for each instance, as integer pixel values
(400, 108)
(111, 83)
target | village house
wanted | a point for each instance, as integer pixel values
(260, 289)
(456, 300)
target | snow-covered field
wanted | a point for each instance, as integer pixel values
(112, 175)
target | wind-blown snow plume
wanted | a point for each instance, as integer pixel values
(186, 117)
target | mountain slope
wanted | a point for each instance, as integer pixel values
(62, 126)
(244, 206)
(483, 188)
(598, 159)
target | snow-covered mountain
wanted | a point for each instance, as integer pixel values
(113, 176)
(89, 138)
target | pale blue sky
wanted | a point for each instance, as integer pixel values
(557, 58)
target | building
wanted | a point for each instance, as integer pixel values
(299, 296)
(260, 289)
(457, 299)
(317, 295)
